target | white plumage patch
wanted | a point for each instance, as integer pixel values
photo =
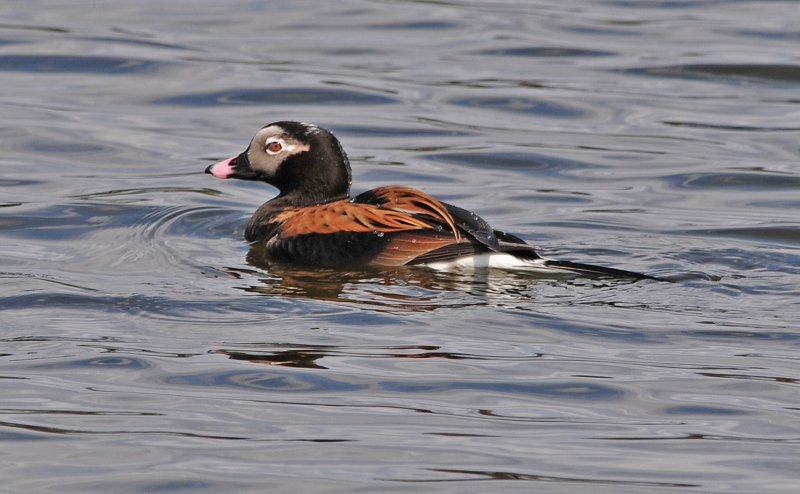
(311, 129)
(284, 146)
(494, 260)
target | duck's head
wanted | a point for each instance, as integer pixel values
(303, 161)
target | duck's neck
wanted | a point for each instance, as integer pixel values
(309, 197)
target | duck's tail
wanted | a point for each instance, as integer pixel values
(580, 267)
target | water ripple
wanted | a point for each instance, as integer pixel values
(528, 106)
(728, 73)
(545, 51)
(79, 64)
(775, 234)
(727, 180)
(415, 25)
(521, 161)
(312, 382)
(279, 96)
(507, 475)
(103, 363)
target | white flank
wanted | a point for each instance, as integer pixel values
(493, 261)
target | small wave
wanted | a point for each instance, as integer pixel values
(279, 96)
(80, 64)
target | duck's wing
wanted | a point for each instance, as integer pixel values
(470, 234)
(345, 216)
(423, 247)
(346, 233)
(459, 220)
(413, 201)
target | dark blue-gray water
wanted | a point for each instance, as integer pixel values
(142, 352)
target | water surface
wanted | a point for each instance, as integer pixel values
(145, 349)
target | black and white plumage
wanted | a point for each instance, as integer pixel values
(314, 221)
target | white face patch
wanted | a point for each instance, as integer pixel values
(270, 147)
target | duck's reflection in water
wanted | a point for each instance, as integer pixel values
(308, 356)
(405, 289)
(417, 287)
(392, 292)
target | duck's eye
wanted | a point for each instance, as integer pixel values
(274, 147)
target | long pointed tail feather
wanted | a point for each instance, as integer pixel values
(518, 248)
(590, 268)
